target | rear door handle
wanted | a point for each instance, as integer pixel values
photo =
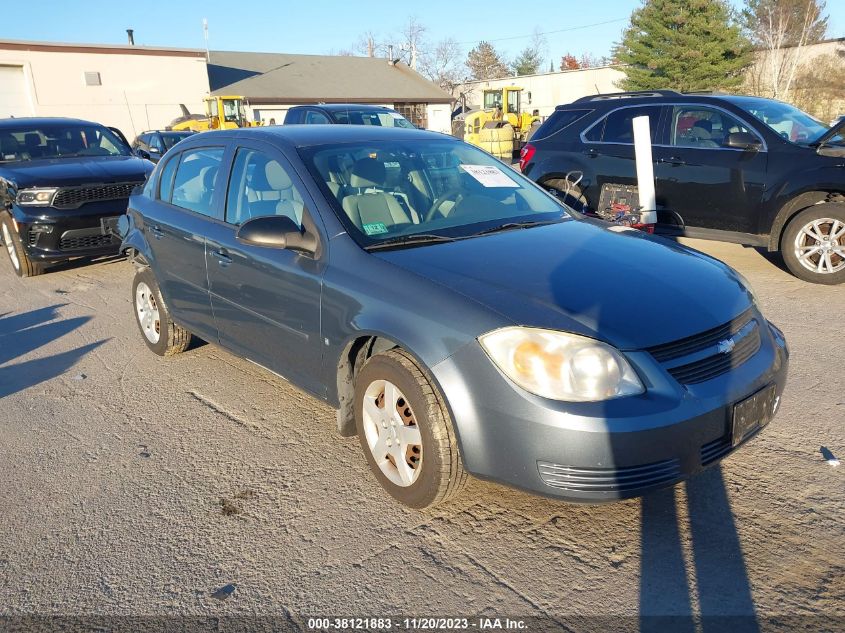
(222, 257)
(591, 153)
(672, 160)
(156, 231)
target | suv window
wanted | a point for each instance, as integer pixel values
(294, 115)
(260, 185)
(559, 120)
(155, 143)
(617, 127)
(193, 185)
(165, 179)
(703, 127)
(313, 116)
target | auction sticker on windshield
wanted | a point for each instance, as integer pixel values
(376, 228)
(489, 176)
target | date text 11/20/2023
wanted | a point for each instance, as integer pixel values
(415, 624)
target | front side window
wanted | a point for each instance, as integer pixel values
(259, 186)
(703, 127)
(786, 120)
(618, 126)
(385, 190)
(58, 141)
(195, 179)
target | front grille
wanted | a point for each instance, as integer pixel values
(86, 242)
(698, 342)
(715, 450)
(73, 197)
(625, 479)
(708, 355)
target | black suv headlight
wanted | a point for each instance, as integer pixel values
(36, 197)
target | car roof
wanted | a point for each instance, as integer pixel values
(657, 97)
(36, 121)
(185, 132)
(339, 107)
(304, 135)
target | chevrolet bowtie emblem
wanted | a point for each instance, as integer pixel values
(726, 346)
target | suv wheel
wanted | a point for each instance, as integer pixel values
(406, 431)
(21, 262)
(813, 244)
(160, 333)
(568, 193)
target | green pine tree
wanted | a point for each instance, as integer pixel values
(685, 45)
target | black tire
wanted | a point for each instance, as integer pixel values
(21, 262)
(172, 338)
(571, 195)
(442, 475)
(789, 242)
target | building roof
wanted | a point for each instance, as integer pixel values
(114, 49)
(284, 78)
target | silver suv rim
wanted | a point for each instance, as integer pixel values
(13, 254)
(146, 309)
(392, 434)
(820, 246)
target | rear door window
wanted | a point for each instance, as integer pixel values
(196, 178)
(316, 117)
(618, 127)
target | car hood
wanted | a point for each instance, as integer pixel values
(63, 172)
(621, 286)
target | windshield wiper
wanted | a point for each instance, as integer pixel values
(516, 225)
(403, 240)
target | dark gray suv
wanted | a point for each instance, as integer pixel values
(459, 318)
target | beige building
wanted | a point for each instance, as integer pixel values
(273, 82)
(133, 88)
(545, 91)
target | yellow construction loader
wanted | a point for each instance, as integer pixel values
(501, 126)
(221, 113)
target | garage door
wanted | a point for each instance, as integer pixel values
(13, 97)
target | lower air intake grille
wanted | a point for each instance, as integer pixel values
(626, 479)
(86, 242)
(714, 450)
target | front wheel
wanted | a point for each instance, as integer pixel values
(21, 262)
(406, 431)
(813, 244)
(161, 334)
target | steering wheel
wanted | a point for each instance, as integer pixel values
(454, 193)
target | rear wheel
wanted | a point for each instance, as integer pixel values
(813, 244)
(161, 334)
(21, 262)
(570, 194)
(406, 432)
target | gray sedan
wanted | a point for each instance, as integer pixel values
(459, 319)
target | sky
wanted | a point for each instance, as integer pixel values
(321, 27)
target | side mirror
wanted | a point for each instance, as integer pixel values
(743, 140)
(276, 231)
(142, 154)
(154, 150)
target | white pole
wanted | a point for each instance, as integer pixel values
(645, 170)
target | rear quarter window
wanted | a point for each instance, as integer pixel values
(560, 120)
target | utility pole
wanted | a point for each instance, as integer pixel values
(205, 36)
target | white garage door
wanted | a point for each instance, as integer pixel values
(13, 97)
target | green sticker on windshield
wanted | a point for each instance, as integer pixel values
(375, 228)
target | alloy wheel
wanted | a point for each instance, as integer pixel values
(10, 246)
(146, 309)
(820, 246)
(392, 434)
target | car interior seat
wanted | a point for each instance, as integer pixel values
(32, 141)
(9, 148)
(371, 204)
(701, 134)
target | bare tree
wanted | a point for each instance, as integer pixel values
(444, 65)
(781, 29)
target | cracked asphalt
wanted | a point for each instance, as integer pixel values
(133, 484)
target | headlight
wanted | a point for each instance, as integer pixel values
(561, 366)
(36, 197)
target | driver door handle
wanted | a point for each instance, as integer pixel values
(672, 160)
(222, 257)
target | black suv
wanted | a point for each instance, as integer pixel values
(63, 184)
(154, 143)
(346, 113)
(733, 168)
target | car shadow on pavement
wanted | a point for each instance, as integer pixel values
(23, 333)
(82, 262)
(725, 602)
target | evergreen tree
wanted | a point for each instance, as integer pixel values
(485, 62)
(527, 62)
(683, 44)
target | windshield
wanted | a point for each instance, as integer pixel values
(387, 190)
(791, 123)
(382, 118)
(171, 139)
(58, 141)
